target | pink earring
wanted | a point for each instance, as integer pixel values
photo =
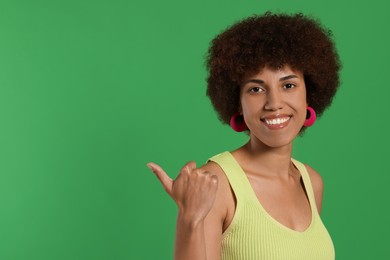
(311, 117)
(237, 123)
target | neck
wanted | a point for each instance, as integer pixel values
(259, 157)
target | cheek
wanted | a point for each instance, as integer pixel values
(302, 112)
(250, 107)
(301, 99)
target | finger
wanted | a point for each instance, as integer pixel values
(189, 167)
(214, 179)
(163, 177)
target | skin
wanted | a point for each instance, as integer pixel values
(203, 195)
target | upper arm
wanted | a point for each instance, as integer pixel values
(214, 222)
(318, 186)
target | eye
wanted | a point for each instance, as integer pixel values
(256, 90)
(289, 86)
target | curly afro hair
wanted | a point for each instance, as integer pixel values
(272, 40)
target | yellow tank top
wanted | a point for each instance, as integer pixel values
(254, 235)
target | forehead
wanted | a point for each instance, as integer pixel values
(268, 72)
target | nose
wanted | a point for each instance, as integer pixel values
(274, 100)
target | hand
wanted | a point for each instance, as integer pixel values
(194, 190)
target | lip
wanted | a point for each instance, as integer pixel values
(277, 121)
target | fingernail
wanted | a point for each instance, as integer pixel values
(150, 167)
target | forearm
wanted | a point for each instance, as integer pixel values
(190, 239)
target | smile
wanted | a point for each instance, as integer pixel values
(277, 122)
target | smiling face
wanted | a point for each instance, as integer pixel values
(274, 104)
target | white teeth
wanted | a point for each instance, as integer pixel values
(276, 121)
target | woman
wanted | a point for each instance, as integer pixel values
(269, 75)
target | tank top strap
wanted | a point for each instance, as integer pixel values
(253, 234)
(235, 175)
(307, 183)
(240, 184)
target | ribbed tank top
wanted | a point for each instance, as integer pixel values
(255, 235)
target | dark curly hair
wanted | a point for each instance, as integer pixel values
(272, 40)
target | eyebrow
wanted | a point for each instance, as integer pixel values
(259, 81)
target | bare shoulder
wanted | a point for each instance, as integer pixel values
(224, 191)
(318, 185)
(221, 214)
(214, 169)
(225, 201)
(315, 178)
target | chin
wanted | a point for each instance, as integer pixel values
(276, 141)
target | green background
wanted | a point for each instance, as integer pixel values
(90, 91)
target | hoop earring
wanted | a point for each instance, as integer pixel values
(237, 123)
(311, 117)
